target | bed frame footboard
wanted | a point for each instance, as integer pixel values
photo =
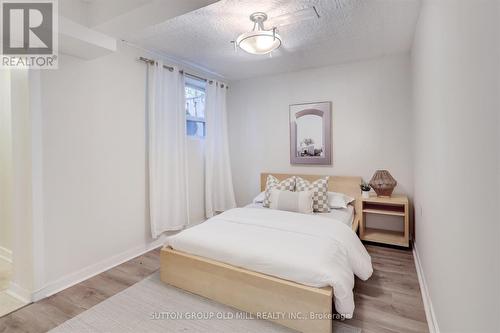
(303, 308)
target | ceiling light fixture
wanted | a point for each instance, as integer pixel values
(259, 40)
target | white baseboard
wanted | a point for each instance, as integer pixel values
(429, 309)
(5, 254)
(95, 269)
(16, 291)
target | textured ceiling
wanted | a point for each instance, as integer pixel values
(122, 18)
(348, 30)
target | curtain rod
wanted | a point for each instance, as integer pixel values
(170, 68)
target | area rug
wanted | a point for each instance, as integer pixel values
(152, 306)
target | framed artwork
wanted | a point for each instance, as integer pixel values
(311, 133)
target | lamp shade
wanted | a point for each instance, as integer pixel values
(259, 42)
(383, 183)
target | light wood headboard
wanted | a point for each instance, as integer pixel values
(342, 184)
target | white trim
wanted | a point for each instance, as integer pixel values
(37, 222)
(16, 291)
(95, 269)
(426, 297)
(5, 254)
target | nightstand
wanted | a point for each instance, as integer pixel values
(396, 205)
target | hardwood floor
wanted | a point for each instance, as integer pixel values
(389, 302)
(54, 310)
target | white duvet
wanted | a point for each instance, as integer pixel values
(307, 249)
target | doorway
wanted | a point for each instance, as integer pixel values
(9, 300)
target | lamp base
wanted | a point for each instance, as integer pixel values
(384, 193)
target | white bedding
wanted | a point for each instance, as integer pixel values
(303, 248)
(344, 215)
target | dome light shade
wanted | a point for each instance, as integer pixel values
(259, 42)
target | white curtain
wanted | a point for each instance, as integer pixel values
(168, 197)
(219, 193)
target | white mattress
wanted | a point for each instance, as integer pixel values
(344, 215)
(303, 248)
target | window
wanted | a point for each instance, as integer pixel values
(195, 107)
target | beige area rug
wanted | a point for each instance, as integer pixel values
(152, 306)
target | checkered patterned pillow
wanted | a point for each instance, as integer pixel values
(273, 182)
(320, 192)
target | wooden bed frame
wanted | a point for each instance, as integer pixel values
(290, 304)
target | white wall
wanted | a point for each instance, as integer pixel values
(94, 163)
(5, 167)
(16, 182)
(76, 10)
(371, 121)
(456, 94)
(22, 184)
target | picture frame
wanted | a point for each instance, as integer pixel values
(311, 133)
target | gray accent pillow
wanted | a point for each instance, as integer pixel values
(273, 182)
(320, 192)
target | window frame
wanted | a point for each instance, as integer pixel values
(201, 86)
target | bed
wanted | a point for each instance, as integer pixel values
(344, 215)
(258, 260)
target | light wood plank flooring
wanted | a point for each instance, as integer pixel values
(389, 302)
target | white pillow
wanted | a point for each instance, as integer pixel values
(338, 200)
(299, 202)
(260, 198)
